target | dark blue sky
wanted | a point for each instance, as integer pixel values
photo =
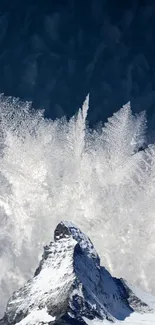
(55, 52)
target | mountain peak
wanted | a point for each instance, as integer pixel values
(65, 229)
(70, 286)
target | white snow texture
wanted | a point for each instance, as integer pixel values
(99, 180)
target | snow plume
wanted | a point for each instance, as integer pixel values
(98, 179)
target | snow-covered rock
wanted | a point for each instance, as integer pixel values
(71, 287)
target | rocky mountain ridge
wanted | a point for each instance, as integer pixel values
(70, 287)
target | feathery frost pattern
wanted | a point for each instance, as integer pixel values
(100, 180)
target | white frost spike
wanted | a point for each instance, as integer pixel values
(85, 107)
(81, 126)
(118, 134)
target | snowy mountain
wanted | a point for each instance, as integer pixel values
(71, 287)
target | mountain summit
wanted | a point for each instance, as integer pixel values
(71, 287)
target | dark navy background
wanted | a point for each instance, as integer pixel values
(55, 52)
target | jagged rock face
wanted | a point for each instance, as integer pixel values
(70, 285)
(65, 229)
(50, 286)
